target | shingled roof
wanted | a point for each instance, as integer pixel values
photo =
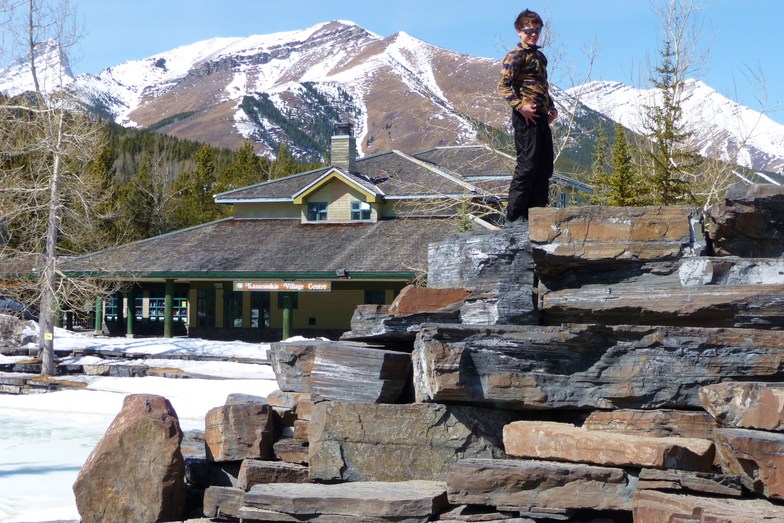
(266, 247)
(443, 171)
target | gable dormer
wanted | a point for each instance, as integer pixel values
(338, 197)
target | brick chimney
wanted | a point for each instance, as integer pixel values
(344, 147)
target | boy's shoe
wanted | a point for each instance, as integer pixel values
(517, 223)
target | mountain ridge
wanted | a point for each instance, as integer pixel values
(398, 91)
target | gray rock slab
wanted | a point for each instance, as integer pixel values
(362, 374)
(530, 486)
(364, 501)
(375, 442)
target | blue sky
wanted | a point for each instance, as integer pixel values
(743, 42)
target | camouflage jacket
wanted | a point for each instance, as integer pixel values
(524, 78)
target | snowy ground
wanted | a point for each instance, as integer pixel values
(45, 438)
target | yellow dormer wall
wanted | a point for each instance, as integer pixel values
(338, 196)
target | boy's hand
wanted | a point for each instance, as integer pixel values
(529, 113)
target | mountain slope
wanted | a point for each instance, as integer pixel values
(722, 127)
(399, 92)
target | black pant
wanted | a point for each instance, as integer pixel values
(530, 185)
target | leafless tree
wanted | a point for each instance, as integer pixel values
(48, 198)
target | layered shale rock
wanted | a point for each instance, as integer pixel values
(255, 472)
(375, 324)
(343, 370)
(585, 238)
(367, 442)
(587, 366)
(658, 423)
(345, 373)
(136, 472)
(496, 267)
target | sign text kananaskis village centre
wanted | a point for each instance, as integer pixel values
(284, 286)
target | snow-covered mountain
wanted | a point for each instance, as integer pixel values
(52, 69)
(288, 87)
(721, 127)
(400, 93)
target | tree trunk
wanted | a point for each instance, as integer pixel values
(48, 294)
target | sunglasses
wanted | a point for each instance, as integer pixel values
(533, 31)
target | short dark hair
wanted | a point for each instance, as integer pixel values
(527, 17)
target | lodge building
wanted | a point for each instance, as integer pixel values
(301, 252)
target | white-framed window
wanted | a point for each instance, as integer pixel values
(317, 211)
(360, 211)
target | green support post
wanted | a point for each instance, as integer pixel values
(287, 316)
(130, 314)
(168, 309)
(98, 315)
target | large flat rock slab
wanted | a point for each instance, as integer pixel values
(749, 405)
(530, 486)
(651, 506)
(565, 442)
(742, 306)
(597, 235)
(587, 366)
(374, 442)
(374, 324)
(361, 501)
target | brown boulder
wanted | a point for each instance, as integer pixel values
(136, 472)
(239, 431)
(564, 442)
(595, 235)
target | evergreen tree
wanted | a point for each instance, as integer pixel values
(194, 203)
(284, 164)
(600, 177)
(626, 187)
(138, 204)
(672, 162)
(247, 169)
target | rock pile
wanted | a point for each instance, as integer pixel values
(600, 365)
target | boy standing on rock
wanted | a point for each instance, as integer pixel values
(525, 88)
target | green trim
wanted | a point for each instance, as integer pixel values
(219, 275)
